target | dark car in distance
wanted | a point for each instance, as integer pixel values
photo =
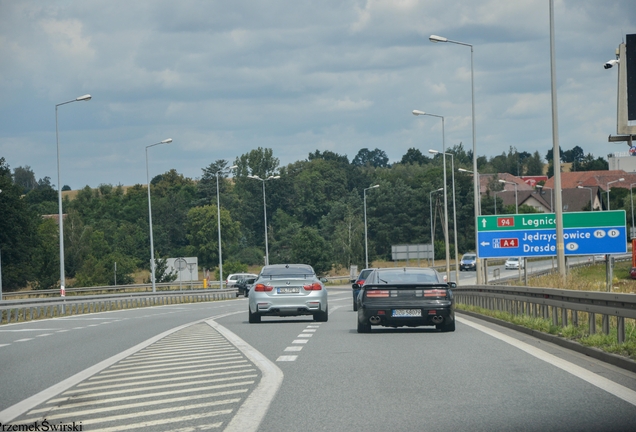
(406, 297)
(468, 262)
(243, 285)
(356, 284)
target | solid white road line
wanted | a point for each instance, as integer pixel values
(251, 413)
(598, 381)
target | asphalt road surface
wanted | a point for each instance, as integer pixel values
(204, 367)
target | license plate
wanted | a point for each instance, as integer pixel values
(288, 290)
(406, 313)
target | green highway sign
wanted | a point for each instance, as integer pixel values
(534, 221)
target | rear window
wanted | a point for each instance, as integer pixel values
(288, 272)
(364, 274)
(400, 276)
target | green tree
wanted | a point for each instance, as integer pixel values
(343, 227)
(534, 165)
(375, 158)
(260, 162)
(18, 228)
(162, 274)
(308, 247)
(25, 178)
(414, 156)
(588, 163)
(46, 263)
(202, 233)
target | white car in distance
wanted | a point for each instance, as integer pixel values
(514, 263)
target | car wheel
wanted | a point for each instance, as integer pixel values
(322, 316)
(355, 306)
(364, 328)
(245, 293)
(254, 318)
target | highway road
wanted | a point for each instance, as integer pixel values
(203, 367)
(496, 272)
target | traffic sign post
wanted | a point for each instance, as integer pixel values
(534, 235)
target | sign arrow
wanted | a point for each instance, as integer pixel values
(485, 243)
(483, 223)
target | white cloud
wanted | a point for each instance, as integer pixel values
(222, 78)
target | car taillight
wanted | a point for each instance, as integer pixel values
(435, 293)
(262, 288)
(360, 282)
(313, 287)
(378, 293)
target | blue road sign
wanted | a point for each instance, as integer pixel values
(542, 242)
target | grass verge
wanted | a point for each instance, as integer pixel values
(580, 333)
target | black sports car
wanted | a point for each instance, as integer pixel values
(398, 297)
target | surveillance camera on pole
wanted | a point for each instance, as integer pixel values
(609, 64)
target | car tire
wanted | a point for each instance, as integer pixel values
(253, 318)
(322, 316)
(355, 306)
(364, 328)
(450, 327)
(245, 294)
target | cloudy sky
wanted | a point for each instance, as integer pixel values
(224, 77)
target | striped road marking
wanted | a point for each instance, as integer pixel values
(192, 379)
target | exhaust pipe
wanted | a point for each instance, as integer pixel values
(437, 319)
(375, 320)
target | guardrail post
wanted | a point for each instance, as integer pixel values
(564, 317)
(555, 316)
(620, 329)
(592, 322)
(575, 318)
(606, 326)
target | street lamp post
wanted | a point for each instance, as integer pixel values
(418, 113)
(434, 38)
(430, 199)
(608, 190)
(516, 198)
(495, 195)
(454, 212)
(478, 182)
(218, 213)
(152, 246)
(631, 196)
(366, 244)
(591, 199)
(255, 177)
(59, 193)
(1, 263)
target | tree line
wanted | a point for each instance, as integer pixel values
(314, 215)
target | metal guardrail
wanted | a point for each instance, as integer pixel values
(561, 306)
(31, 309)
(132, 288)
(164, 286)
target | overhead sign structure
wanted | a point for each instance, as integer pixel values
(533, 235)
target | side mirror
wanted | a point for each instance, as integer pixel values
(452, 284)
(324, 280)
(352, 281)
(355, 286)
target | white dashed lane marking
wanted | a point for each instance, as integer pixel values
(193, 376)
(306, 333)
